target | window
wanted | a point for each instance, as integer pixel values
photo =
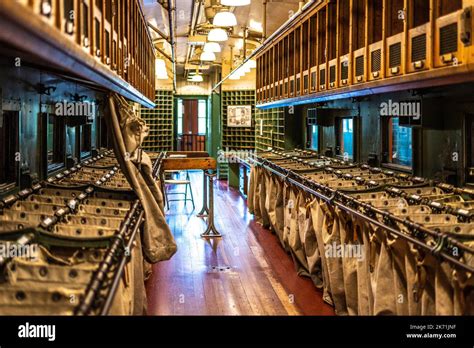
(315, 137)
(8, 149)
(202, 117)
(345, 137)
(399, 143)
(86, 140)
(55, 139)
(71, 140)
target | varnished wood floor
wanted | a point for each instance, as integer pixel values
(246, 272)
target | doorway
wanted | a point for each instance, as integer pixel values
(191, 124)
(9, 150)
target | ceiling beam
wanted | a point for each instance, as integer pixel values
(159, 32)
(164, 54)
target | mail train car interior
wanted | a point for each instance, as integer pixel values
(217, 157)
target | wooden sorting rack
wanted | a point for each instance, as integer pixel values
(270, 129)
(105, 42)
(160, 122)
(237, 137)
(349, 48)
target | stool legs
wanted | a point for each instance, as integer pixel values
(211, 230)
(190, 189)
(185, 193)
(205, 210)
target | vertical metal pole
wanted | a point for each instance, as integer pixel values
(211, 230)
(205, 210)
(245, 42)
(264, 24)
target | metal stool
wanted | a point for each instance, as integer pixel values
(186, 182)
(211, 230)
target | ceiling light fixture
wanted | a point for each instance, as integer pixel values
(217, 35)
(197, 78)
(256, 26)
(239, 44)
(212, 47)
(207, 56)
(235, 2)
(224, 19)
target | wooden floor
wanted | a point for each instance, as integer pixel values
(246, 272)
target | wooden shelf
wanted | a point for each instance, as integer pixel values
(31, 36)
(235, 138)
(350, 48)
(273, 123)
(160, 122)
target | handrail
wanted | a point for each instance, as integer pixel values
(118, 273)
(123, 242)
(443, 186)
(8, 201)
(100, 275)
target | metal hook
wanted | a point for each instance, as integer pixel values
(440, 244)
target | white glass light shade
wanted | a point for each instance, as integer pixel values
(224, 19)
(217, 35)
(208, 56)
(212, 47)
(197, 78)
